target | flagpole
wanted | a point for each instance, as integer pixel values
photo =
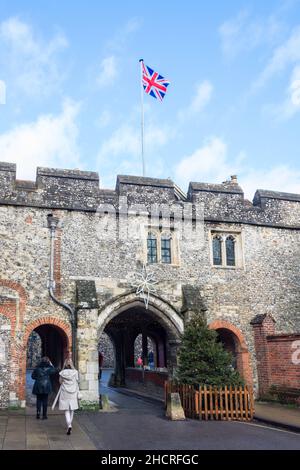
(142, 118)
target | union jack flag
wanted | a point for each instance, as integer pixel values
(153, 83)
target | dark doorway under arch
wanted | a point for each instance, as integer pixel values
(230, 344)
(138, 331)
(45, 340)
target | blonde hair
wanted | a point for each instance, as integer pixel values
(68, 364)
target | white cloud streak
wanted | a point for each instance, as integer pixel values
(288, 53)
(49, 141)
(2, 92)
(244, 33)
(291, 104)
(119, 40)
(32, 65)
(202, 97)
(108, 71)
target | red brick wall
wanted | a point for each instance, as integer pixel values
(261, 331)
(274, 357)
(282, 369)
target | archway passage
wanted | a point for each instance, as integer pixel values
(45, 340)
(233, 341)
(230, 344)
(137, 332)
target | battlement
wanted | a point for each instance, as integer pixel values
(80, 190)
(261, 196)
(227, 187)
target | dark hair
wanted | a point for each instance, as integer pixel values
(45, 361)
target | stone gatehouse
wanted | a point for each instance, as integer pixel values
(73, 256)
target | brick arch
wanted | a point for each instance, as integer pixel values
(60, 324)
(65, 327)
(242, 352)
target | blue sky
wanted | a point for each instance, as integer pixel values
(71, 74)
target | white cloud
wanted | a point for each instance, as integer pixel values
(48, 141)
(114, 51)
(2, 92)
(291, 105)
(279, 178)
(286, 54)
(123, 141)
(212, 164)
(31, 64)
(243, 33)
(202, 97)
(295, 88)
(126, 141)
(108, 71)
(118, 42)
(208, 163)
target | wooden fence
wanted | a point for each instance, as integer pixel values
(211, 403)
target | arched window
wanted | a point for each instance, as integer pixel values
(217, 251)
(230, 251)
(166, 249)
(152, 248)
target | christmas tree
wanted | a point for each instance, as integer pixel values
(202, 359)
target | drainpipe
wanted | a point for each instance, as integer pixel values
(52, 224)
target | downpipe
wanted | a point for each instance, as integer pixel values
(52, 224)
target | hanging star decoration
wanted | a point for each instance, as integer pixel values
(144, 283)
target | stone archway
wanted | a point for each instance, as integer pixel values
(234, 342)
(162, 309)
(126, 317)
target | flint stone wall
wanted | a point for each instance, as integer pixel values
(268, 282)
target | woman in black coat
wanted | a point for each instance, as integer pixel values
(42, 385)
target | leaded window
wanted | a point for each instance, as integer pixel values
(230, 251)
(152, 248)
(166, 249)
(217, 251)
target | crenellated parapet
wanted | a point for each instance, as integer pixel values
(80, 190)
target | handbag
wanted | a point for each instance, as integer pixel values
(79, 395)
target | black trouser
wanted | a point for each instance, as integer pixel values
(42, 400)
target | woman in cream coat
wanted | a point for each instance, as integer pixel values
(69, 388)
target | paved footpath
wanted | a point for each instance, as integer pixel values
(280, 415)
(21, 430)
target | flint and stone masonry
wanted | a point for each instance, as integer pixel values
(100, 249)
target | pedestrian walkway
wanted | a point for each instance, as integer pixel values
(20, 430)
(278, 415)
